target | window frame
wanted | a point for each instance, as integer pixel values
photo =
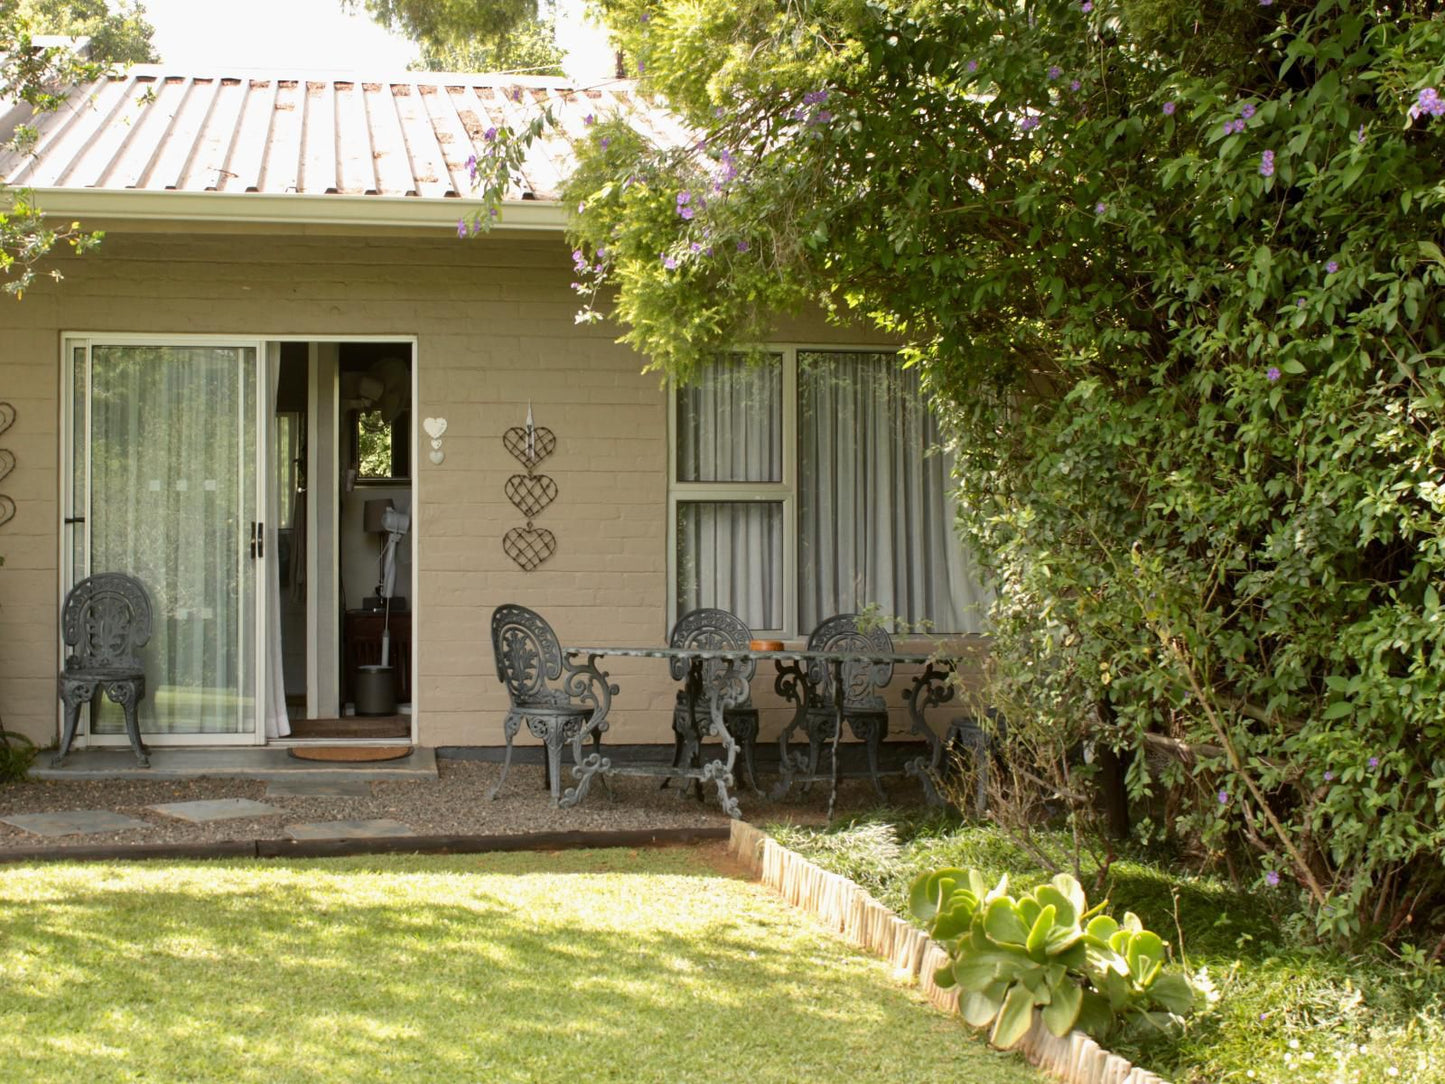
(784, 492)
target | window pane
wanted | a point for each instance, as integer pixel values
(730, 555)
(875, 519)
(730, 423)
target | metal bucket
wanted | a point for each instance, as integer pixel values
(375, 692)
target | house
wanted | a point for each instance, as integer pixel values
(282, 337)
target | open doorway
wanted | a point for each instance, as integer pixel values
(342, 455)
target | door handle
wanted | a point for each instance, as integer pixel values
(258, 540)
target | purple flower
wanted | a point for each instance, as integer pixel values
(579, 261)
(1266, 164)
(972, 66)
(1100, 207)
(641, 67)
(1074, 84)
(647, 16)
(517, 94)
(1265, 3)
(815, 97)
(589, 119)
(1232, 126)
(684, 198)
(1329, 777)
(668, 262)
(1332, 266)
(1272, 878)
(743, 246)
(606, 142)
(1028, 124)
(1169, 108)
(696, 246)
(1087, 6)
(1299, 302)
(461, 227)
(1373, 762)
(1360, 135)
(1272, 373)
(1428, 101)
(472, 165)
(490, 135)
(1055, 71)
(686, 213)
(1246, 110)
(1224, 797)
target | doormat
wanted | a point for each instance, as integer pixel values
(354, 754)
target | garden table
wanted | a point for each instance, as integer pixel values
(723, 689)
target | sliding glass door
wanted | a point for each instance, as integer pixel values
(163, 485)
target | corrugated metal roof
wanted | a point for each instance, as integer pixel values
(152, 130)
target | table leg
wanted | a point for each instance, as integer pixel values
(587, 684)
(720, 772)
(837, 667)
(930, 688)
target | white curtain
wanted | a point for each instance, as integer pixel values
(169, 504)
(875, 518)
(730, 553)
(278, 724)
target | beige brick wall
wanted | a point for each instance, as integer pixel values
(494, 326)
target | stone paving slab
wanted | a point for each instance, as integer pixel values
(370, 829)
(79, 822)
(215, 809)
(317, 788)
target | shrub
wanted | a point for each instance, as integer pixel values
(1047, 950)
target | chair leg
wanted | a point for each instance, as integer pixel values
(555, 741)
(509, 731)
(815, 748)
(129, 700)
(677, 752)
(72, 719)
(874, 740)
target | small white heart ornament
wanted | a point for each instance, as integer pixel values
(434, 427)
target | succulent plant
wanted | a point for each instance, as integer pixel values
(1045, 949)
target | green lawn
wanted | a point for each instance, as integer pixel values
(600, 965)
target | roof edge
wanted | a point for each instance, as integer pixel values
(542, 216)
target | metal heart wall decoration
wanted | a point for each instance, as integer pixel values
(7, 463)
(529, 546)
(7, 416)
(544, 443)
(434, 427)
(530, 493)
(7, 510)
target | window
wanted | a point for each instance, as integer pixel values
(809, 483)
(380, 447)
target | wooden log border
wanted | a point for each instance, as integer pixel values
(847, 909)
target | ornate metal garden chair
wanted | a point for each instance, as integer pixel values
(864, 709)
(553, 698)
(106, 621)
(691, 720)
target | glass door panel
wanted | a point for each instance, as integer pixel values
(169, 496)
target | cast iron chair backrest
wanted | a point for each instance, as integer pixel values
(861, 679)
(106, 621)
(718, 629)
(528, 655)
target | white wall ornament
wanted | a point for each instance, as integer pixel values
(435, 428)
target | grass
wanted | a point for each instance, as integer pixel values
(1288, 1011)
(588, 965)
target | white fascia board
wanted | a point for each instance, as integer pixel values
(543, 216)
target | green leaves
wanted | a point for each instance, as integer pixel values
(1013, 954)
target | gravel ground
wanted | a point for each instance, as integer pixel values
(453, 804)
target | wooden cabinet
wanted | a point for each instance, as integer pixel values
(362, 637)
